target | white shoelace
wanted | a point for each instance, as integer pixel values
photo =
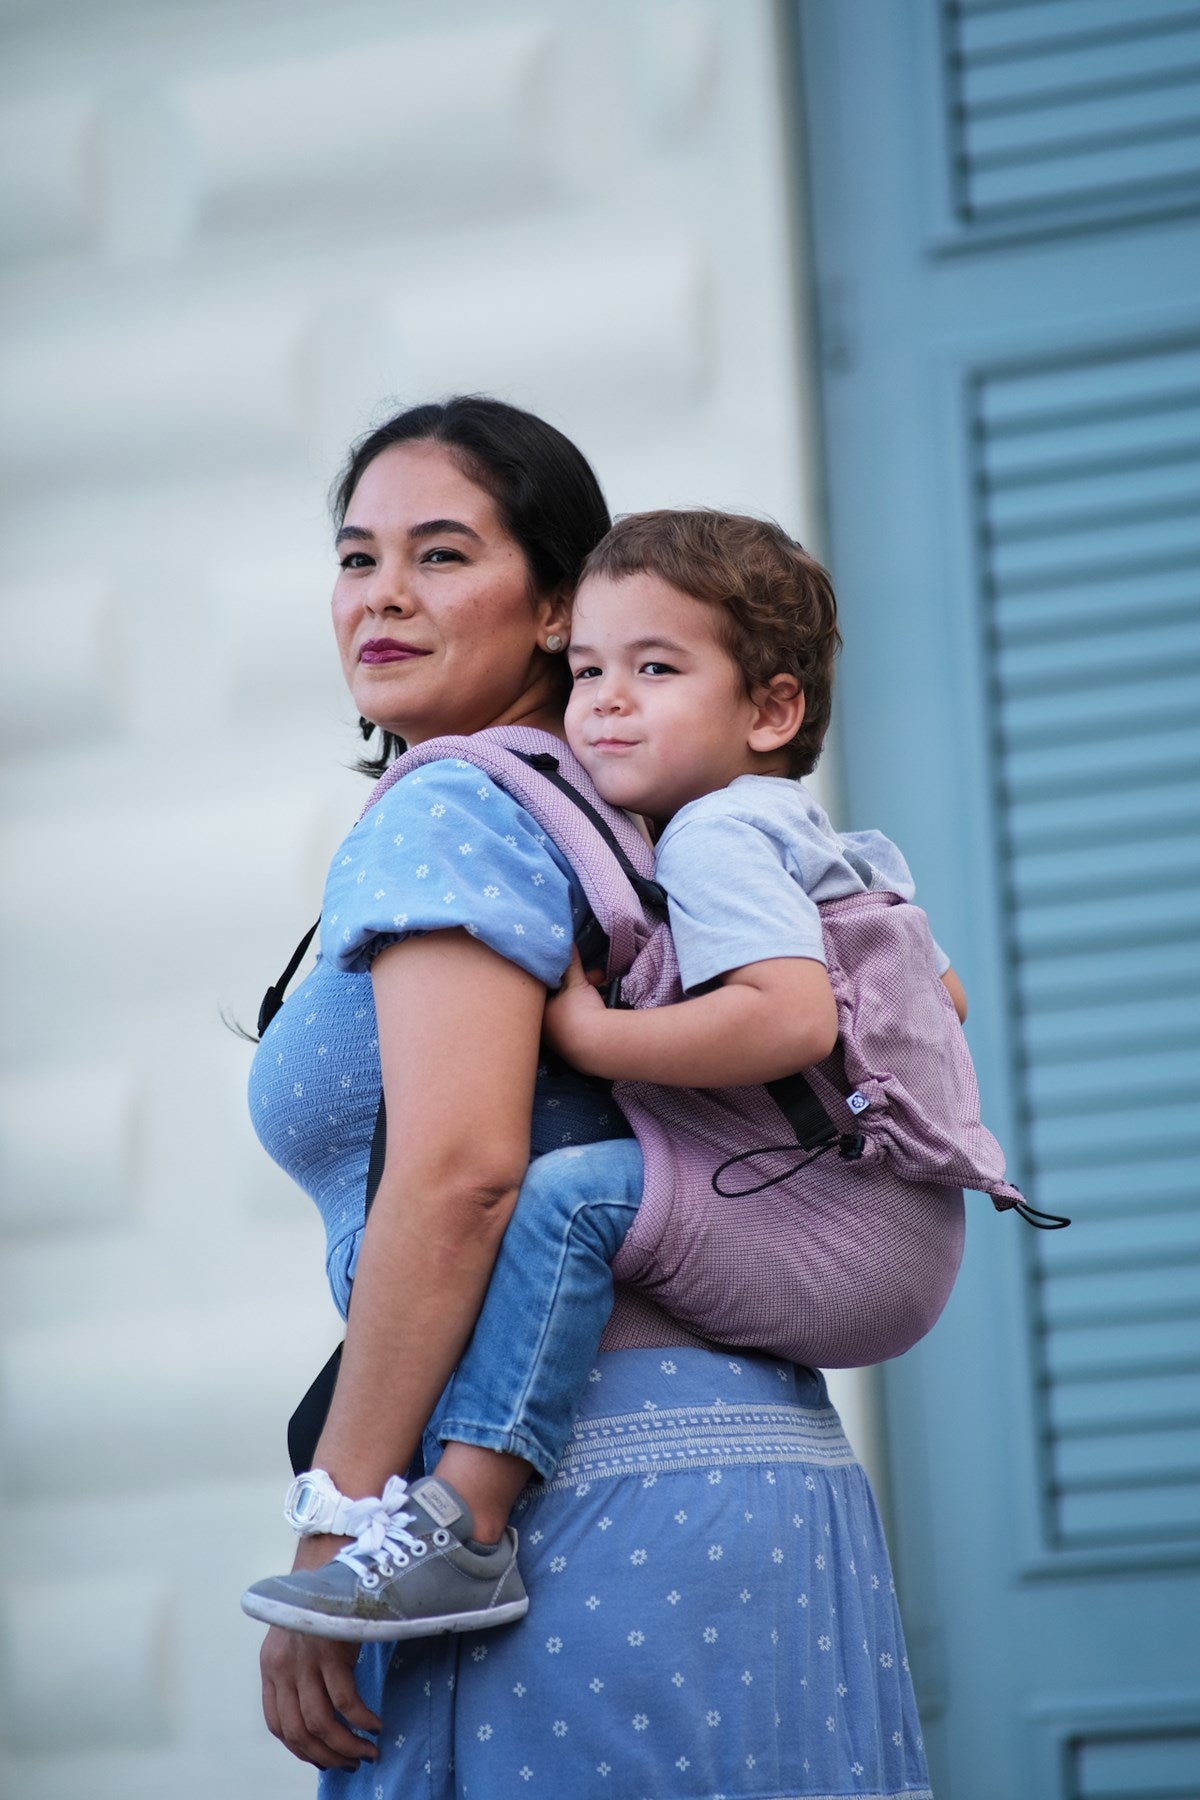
(381, 1541)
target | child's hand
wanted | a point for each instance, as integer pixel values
(571, 1014)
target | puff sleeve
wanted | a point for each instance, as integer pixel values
(446, 847)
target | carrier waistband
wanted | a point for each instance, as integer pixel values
(735, 1411)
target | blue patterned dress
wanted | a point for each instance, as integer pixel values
(712, 1609)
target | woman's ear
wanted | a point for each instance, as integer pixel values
(554, 620)
(780, 714)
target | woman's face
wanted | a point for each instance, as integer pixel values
(435, 623)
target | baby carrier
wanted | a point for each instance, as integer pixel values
(819, 1217)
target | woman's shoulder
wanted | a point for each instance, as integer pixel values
(450, 781)
(428, 806)
(445, 846)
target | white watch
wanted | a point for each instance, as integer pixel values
(314, 1505)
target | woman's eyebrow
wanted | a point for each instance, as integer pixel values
(428, 528)
(440, 528)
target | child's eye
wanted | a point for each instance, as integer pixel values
(589, 672)
(659, 668)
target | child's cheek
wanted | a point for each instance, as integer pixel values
(571, 721)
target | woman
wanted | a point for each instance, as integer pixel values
(713, 1609)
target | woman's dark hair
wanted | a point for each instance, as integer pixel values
(543, 488)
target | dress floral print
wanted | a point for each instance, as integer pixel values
(712, 1613)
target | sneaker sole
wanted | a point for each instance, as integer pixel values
(374, 1631)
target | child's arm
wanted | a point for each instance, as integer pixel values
(762, 1022)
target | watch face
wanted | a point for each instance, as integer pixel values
(306, 1502)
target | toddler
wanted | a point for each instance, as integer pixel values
(702, 653)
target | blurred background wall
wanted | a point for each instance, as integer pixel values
(236, 233)
(918, 277)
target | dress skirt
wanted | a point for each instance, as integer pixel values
(712, 1614)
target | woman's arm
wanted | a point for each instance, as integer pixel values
(458, 1043)
(763, 1021)
(458, 1040)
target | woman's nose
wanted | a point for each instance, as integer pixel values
(387, 591)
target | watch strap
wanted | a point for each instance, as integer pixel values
(327, 1516)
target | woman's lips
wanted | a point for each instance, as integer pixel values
(387, 650)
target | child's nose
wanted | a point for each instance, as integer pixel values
(610, 696)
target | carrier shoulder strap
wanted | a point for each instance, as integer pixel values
(613, 861)
(651, 894)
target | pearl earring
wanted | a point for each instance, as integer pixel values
(554, 642)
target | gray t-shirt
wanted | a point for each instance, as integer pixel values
(745, 869)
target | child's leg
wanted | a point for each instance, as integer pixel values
(507, 1411)
(522, 1374)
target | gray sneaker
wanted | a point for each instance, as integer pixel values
(413, 1571)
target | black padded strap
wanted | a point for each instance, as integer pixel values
(272, 1000)
(378, 1154)
(802, 1110)
(652, 896)
(308, 1421)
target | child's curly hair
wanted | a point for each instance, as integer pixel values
(778, 602)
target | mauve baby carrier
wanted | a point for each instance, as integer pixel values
(820, 1217)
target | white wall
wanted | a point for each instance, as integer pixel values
(234, 233)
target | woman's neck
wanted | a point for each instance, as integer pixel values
(538, 714)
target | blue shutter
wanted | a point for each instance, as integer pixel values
(1145, 1766)
(1088, 485)
(1004, 199)
(1072, 103)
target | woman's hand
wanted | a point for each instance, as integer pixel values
(308, 1682)
(571, 1017)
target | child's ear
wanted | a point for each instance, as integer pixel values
(780, 708)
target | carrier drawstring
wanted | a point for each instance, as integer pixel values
(1041, 1221)
(848, 1144)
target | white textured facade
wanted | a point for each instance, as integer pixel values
(234, 233)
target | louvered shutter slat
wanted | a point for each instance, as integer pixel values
(1093, 585)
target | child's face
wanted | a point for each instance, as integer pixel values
(658, 714)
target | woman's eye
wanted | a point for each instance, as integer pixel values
(356, 559)
(442, 556)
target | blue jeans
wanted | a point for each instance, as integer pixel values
(525, 1369)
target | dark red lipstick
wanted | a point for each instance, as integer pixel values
(387, 650)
